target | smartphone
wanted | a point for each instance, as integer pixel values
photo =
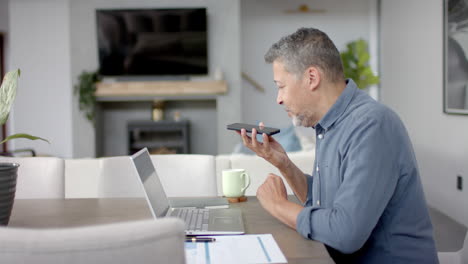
(267, 130)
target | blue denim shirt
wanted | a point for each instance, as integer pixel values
(365, 200)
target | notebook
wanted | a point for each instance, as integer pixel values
(198, 221)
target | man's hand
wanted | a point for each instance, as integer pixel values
(274, 198)
(274, 153)
(269, 149)
(272, 192)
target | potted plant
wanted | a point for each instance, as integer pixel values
(8, 171)
(356, 64)
(85, 89)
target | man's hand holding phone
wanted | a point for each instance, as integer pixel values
(273, 190)
(269, 149)
(260, 128)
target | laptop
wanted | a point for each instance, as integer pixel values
(198, 221)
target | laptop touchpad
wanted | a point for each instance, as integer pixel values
(226, 219)
(220, 220)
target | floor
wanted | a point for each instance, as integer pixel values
(449, 235)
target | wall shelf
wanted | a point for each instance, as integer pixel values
(159, 90)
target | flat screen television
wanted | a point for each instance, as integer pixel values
(152, 42)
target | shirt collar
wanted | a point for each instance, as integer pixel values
(339, 106)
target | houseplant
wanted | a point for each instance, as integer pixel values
(356, 64)
(8, 171)
(85, 89)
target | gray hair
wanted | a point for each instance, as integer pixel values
(305, 48)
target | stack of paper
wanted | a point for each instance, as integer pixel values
(235, 250)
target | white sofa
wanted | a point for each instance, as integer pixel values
(38, 177)
(181, 174)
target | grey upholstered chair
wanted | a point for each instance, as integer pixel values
(458, 257)
(150, 241)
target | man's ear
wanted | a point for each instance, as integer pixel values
(313, 77)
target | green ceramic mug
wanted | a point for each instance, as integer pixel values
(235, 182)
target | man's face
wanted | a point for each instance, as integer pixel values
(294, 95)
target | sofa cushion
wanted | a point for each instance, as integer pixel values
(39, 177)
(119, 178)
(186, 174)
(81, 177)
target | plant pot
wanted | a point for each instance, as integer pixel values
(8, 175)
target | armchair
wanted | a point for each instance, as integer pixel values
(149, 241)
(458, 257)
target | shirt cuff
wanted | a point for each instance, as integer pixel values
(303, 219)
(303, 223)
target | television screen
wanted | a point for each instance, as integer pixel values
(152, 41)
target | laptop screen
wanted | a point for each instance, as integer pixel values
(154, 190)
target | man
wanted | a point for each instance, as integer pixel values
(364, 200)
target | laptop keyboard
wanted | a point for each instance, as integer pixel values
(195, 218)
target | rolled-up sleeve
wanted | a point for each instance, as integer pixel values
(303, 220)
(303, 225)
(310, 182)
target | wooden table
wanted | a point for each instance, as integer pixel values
(53, 213)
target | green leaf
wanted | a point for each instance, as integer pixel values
(8, 94)
(22, 135)
(356, 64)
(363, 59)
(367, 72)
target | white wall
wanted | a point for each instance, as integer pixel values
(265, 22)
(223, 43)
(39, 45)
(412, 84)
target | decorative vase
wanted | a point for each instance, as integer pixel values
(8, 175)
